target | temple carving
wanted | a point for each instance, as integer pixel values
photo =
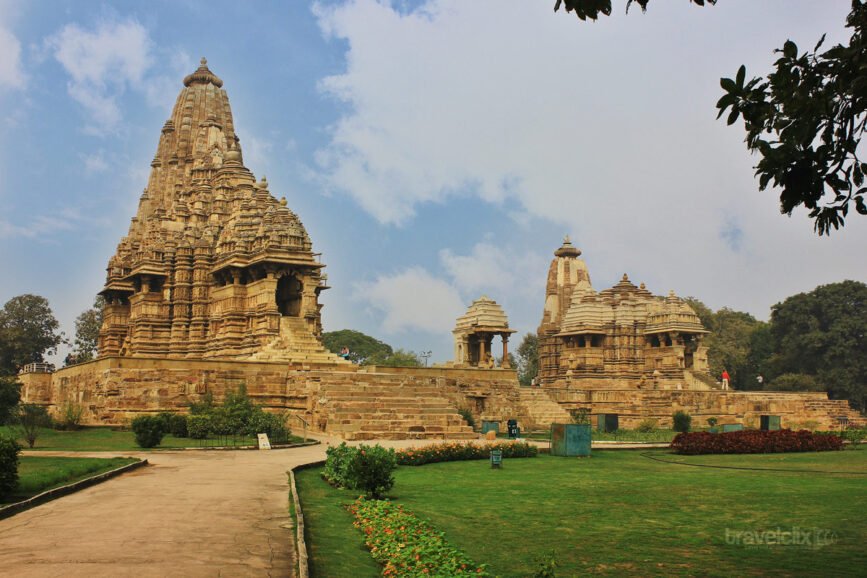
(622, 336)
(213, 266)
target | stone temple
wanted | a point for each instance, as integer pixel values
(216, 285)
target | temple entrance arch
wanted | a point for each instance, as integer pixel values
(288, 296)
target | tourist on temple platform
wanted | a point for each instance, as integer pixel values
(344, 352)
(725, 379)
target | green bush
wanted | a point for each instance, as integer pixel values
(468, 417)
(682, 421)
(366, 468)
(273, 424)
(148, 430)
(9, 449)
(198, 426)
(647, 425)
(337, 460)
(70, 416)
(581, 416)
(371, 470)
(178, 425)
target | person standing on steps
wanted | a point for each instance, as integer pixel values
(725, 379)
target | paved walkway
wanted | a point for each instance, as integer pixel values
(190, 513)
(193, 513)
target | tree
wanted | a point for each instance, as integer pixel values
(806, 120)
(10, 395)
(87, 327)
(28, 331)
(363, 349)
(30, 419)
(823, 334)
(528, 359)
(591, 9)
(729, 343)
(400, 358)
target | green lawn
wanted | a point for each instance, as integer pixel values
(621, 513)
(106, 439)
(37, 474)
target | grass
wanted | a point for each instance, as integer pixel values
(336, 548)
(107, 439)
(620, 513)
(38, 474)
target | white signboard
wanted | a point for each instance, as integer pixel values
(264, 444)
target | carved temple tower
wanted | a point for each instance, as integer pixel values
(620, 337)
(213, 265)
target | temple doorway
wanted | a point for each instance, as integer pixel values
(288, 296)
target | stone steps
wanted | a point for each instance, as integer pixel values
(542, 410)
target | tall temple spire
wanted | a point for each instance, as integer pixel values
(198, 273)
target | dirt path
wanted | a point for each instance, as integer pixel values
(192, 513)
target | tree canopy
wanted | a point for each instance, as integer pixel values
(28, 332)
(87, 327)
(367, 350)
(806, 120)
(823, 334)
(528, 359)
(362, 348)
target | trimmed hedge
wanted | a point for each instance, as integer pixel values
(406, 545)
(754, 442)
(148, 430)
(456, 451)
(9, 449)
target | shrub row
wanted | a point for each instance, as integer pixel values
(366, 468)
(456, 451)
(236, 416)
(9, 449)
(406, 545)
(754, 442)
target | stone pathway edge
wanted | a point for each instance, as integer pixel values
(49, 495)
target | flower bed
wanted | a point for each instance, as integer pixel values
(406, 545)
(754, 442)
(455, 451)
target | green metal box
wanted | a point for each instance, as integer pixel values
(732, 427)
(493, 426)
(570, 439)
(770, 422)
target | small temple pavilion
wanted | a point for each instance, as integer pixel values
(475, 331)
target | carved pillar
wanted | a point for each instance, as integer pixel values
(506, 364)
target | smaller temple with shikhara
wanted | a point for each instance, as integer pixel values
(619, 337)
(475, 331)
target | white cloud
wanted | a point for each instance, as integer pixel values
(257, 153)
(11, 73)
(412, 300)
(102, 64)
(568, 124)
(496, 269)
(94, 163)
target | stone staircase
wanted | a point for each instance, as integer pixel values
(296, 344)
(836, 408)
(541, 409)
(379, 406)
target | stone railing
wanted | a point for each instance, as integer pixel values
(37, 368)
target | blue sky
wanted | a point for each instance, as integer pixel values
(435, 151)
